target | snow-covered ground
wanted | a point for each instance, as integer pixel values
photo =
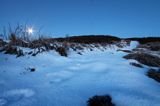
(70, 81)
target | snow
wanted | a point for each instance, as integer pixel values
(133, 44)
(70, 81)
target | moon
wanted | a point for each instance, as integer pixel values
(30, 31)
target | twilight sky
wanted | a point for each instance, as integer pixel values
(123, 18)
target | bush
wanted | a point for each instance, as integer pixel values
(152, 73)
(10, 50)
(100, 101)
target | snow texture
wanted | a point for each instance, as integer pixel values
(70, 81)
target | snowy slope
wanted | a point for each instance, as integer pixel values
(70, 81)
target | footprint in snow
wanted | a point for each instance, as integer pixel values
(75, 67)
(15, 95)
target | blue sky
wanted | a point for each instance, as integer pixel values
(123, 18)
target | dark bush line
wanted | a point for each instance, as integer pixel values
(144, 58)
(73, 39)
(154, 74)
(88, 39)
(145, 40)
(41, 42)
(45, 42)
(105, 100)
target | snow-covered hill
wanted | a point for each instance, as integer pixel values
(49, 79)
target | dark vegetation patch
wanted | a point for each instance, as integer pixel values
(144, 58)
(136, 64)
(15, 41)
(100, 101)
(145, 40)
(62, 51)
(12, 50)
(154, 74)
(61, 45)
(88, 39)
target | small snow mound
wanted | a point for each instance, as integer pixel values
(24, 92)
(134, 44)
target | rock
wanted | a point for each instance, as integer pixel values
(154, 74)
(32, 69)
(144, 58)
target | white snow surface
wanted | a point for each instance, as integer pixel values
(71, 81)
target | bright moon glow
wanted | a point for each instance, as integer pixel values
(30, 31)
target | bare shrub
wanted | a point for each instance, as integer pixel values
(62, 51)
(100, 101)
